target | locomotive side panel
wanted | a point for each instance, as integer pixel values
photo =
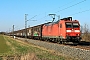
(62, 29)
(50, 30)
(55, 32)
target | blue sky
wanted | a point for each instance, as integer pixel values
(12, 12)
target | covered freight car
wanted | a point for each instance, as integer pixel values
(36, 32)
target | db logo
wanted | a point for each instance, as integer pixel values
(72, 30)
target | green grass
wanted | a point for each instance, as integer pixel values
(15, 47)
(12, 48)
(3, 46)
(41, 54)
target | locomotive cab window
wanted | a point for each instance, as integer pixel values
(72, 25)
(68, 25)
(75, 25)
(60, 25)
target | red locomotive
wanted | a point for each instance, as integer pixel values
(64, 30)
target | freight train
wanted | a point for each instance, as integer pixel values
(63, 30)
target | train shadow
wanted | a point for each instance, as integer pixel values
(82, 43)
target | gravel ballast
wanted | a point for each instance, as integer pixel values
(68, 51)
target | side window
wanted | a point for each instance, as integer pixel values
(60, 25)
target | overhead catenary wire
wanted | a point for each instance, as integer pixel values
(67, 7)
(81, 12)
(77, 11)
(71, 6)
(59, 7)
(63, 8)
(33, 17)
(67, 4)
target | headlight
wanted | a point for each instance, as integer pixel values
(78, 34)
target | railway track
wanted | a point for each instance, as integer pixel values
(80, 51)
(81, 45)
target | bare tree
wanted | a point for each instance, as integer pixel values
(85, 32)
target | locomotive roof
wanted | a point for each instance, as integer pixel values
(52, 23)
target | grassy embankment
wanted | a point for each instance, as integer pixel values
(12, 47)
(4, 48)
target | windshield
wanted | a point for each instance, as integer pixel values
(75, 25)
(72, 25)
(68, 25)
